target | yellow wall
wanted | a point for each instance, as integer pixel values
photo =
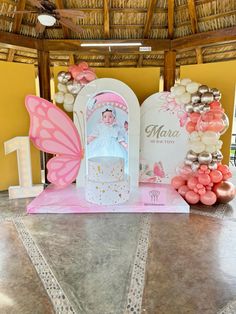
(221, 75)
(143, 81)
(16, 81)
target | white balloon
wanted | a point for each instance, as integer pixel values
(192, 87)
(197, 146)
(210, 148)
(62, 87)
(59, 97)
(69, 99)
(185, 81)
(210, 137)
(185, 98)
(68, 108)
(219, 145)
(172, 89)
(178, 100)
(179, 90)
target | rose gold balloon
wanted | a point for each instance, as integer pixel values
(225, 191)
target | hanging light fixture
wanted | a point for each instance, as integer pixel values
(46, 19)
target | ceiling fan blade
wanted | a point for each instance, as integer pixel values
(70, 13)
(36, 3)
(39, 28)
(68, 23)
(17, 12)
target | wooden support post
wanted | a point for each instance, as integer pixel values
(169, 69)
(45, 92)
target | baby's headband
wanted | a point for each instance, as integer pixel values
(109, 108)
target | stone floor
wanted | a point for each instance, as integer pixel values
(117, 263)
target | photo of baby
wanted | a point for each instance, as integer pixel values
(107, 132)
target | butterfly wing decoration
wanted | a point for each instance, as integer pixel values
(52, 131)
(158, 169)
(183, 117)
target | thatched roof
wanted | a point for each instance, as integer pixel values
(127, 20)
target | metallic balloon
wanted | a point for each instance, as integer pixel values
(203, 89)
(212, 165)
(188, 108)
(73, 87)
(63, 77)
(201, 107)
(219, 155)
(191, 155)
(195, 97)
(188, 162)
(217, 97)
(225, 191)
(205, 158)
(196, 108)
(195, 166)
(206, 108)
(207, 97)
(215, 91)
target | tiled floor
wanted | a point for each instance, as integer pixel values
(117, 263)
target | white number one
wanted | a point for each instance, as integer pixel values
(22, 146)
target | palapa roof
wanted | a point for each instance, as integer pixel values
(200, 31)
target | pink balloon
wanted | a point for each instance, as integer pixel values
(192, 183)
(185, 172)
(215, 105)
(177, 182)
(183, 190)
(204, 178)
(223, 168)
(216, 176)
(203, 167)
(194, 116)
(209, 198)
(192, 197)
(227, 176)
(190, 127)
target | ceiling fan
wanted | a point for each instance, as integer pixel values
(48, 14)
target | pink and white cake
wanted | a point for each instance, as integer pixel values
(107, 183)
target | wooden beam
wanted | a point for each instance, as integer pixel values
(74, 45)
(224, 35)
(171, 5)
(44, 74)
(193, 16)
(107, 61)
(10, 56)
(18, 17)
(199, 55)
(140, 61)
(106, 19)
(15, 41)
(148, 24)
(65, 30)
(169, 69)
(71, 59)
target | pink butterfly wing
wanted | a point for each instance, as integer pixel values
(52, 131)
(62, 170)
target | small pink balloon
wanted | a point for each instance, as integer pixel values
(215, 105)
(209, 198)
(192, 183)
(194, 116)
(183, 190)
(203, 167)
(227, 176)
(216, 176)
(177, 182)
(192, 197)
(190, 127)
(223, 168)
(204, 179)
(201, 191)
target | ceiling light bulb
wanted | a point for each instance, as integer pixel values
(46, 19)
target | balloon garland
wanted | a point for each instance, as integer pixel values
(202, 177)
(71, 82)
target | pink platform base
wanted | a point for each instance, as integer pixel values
(147, 198)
